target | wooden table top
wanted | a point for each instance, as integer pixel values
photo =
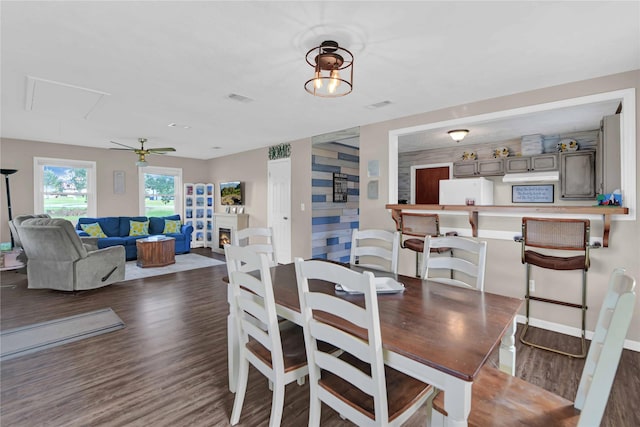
(445, 327)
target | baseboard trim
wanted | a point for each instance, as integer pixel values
(571, 331)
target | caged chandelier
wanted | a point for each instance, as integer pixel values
(328, 62)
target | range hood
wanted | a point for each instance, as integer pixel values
(549, 176)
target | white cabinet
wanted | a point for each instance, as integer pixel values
(225, 225)
(198, 212)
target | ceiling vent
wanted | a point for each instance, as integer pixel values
(239, 98)
(379, 105)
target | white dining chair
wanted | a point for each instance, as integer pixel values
(259, 239)
(356, 383)
(499, 399)
(277, 352)
(467, 261)
(378, 248)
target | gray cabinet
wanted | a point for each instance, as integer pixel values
(489, 167)
(608, 156)
(577, 175)
(542, 162)
(467, 168)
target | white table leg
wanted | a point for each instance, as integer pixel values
(508, 350)
(232, 346)
(457, 402)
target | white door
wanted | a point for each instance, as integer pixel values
(279, 207)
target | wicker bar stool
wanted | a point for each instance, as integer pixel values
(556, 235)
(420, 225)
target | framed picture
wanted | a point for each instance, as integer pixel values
(241, 210)
(339, 187)
(228, 209)
(233, 209)
(532, 193)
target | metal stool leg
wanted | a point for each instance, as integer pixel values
(582, 307)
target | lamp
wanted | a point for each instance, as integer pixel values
(6, 173)
(458, 134)
(327, 61)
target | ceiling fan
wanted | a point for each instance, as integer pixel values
(142, 152)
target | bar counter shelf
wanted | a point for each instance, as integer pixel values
(605, 211)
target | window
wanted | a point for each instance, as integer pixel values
(64, 188)
(160, 191)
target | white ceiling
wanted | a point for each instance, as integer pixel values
(103, 71)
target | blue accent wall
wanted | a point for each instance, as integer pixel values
(332, 223)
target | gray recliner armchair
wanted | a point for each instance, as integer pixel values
(14, 231)
(59, 260)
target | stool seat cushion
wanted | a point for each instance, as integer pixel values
(414, 244)
(554, 262)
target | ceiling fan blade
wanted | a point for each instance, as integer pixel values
(157, 150)
(128, 147)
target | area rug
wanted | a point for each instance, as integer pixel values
(183, 262)
(39, 336)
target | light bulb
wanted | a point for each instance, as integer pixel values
(334, 82)
(318, 81)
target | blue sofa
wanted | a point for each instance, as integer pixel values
(117, 230)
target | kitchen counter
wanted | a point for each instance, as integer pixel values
(605, 211)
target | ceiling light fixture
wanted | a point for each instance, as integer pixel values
(327, 61)
(458, 134)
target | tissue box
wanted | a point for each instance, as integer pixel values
(609, 199)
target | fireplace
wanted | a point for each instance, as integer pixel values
(224, 237)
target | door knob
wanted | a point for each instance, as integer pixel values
(285, 218)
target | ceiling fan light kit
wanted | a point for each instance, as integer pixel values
(332, 70)
(142, 152)
(458, 134)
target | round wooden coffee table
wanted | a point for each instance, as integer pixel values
(156, 251)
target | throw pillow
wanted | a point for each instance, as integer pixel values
(138, 228)
(171, 226)
(93, 229)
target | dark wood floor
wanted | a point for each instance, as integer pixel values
(169, 365)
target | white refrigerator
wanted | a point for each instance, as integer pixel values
(459, 191)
